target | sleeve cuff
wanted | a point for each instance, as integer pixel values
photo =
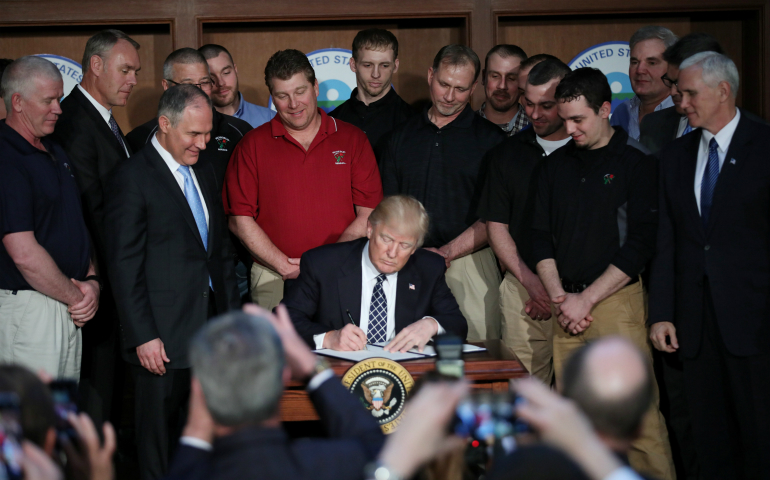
(319, 379)
(319, 340)
(440, 330)
(623, 473)
(196, 443)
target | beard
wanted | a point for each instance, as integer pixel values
(502, 101)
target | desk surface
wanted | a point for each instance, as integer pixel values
(491, 369)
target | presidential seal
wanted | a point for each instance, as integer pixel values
(382, 386)
(71, 71)
(336, 80)
(613, 59)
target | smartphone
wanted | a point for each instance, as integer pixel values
(489, 419)
(10, 437)
(64, 393)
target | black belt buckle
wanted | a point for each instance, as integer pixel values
(571, 287)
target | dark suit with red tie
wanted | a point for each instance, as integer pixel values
(712, 281)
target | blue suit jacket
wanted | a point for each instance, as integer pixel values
(329, 283)
(354, 439)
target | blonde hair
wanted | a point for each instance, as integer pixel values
(400, 210)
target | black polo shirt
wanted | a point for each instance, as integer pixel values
(38, 194)
(511, 187)
(595, 208)
(226, 132)
(377, 118)
(444, 168)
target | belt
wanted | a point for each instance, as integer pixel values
(576, 287)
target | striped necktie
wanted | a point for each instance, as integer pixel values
(709, 182)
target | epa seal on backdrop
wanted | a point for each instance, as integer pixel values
(382, 386)
(71, 71)
(613, 59)
(335, 79)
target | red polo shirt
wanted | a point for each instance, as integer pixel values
(302, 199)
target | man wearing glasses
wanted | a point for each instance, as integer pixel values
(188, 66)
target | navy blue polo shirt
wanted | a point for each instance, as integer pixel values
(38, 193)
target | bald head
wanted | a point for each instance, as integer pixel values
(611, 381)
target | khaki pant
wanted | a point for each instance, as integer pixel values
(37, 332)
(531, 340)
(623, 313)
(474, 280)
(266, 287)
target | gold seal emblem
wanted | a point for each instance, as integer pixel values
(382, 386)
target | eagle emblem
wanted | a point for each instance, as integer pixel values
(377, 392)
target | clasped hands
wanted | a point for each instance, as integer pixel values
(86, 308)
(352, 338)
(574, 312)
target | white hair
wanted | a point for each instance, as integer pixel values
(18, 76)
(715, 68)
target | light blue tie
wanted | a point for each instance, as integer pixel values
(687, 129)
(194, 200)
(709, 182)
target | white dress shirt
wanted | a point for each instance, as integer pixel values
(106, 114)
(369, 274)
(724, 137)
(173, 165)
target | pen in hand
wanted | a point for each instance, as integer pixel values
(350, 318)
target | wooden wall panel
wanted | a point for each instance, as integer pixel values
(155, 42)
(252, 44)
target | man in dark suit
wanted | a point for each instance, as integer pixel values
(240, 364)
(378, 289)
(169, 262)
(659, 128)
(95, 145)
(709, 284)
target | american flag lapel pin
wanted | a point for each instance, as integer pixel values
(732, 160)
(411, 286)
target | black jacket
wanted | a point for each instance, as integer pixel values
(658, 129)
(733, 251)
(329, 283)
(94, 152)
(354, 439)
(160, 269)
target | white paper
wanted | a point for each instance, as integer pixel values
(376, 350)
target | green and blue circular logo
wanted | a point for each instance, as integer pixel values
(335, 79)
(71, 71)
(613, 59)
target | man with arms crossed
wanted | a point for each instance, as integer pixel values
(300, 181)
(507, 205)
(594, 231)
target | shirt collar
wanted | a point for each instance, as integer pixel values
(241, 103)
(377, 103)
(172, 164)
(724, 136)
(328, 125)
(464, 120)
(105, 113)
(370, 272)
(635, 103)
(510, 124)
(14, 138)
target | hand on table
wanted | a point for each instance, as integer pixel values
(348, 338)
(415, 335)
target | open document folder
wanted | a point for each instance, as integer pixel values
(377, 350)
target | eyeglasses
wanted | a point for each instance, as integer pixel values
(668, 82)
(204, 85)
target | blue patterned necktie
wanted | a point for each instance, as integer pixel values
(377, 330)
(687, 129)
(709, 181)
(116, 132)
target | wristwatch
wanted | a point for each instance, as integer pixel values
(321, 364)
(379, 471)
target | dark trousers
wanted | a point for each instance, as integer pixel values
(102, 372)
(729, 399)
(161, 413)
(673, 405)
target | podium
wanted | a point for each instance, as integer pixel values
(488, 370)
